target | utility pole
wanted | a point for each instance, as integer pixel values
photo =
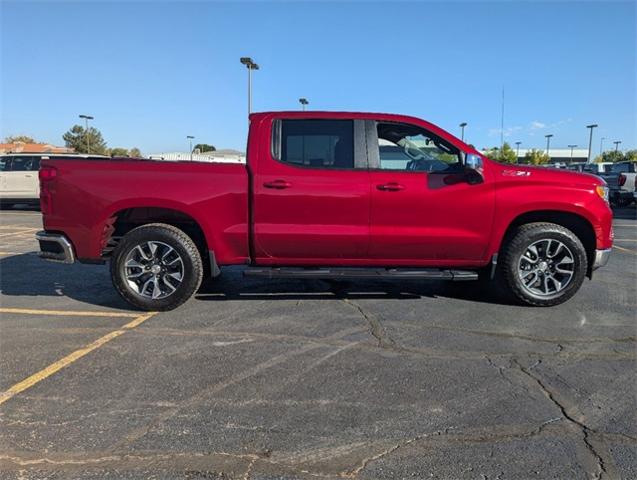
(86, 132)
(462, 125)
(548, 143)
(601, 143)
(250, 65)
(617, 142)
(190, 137)
(590, 140)
(572, 147)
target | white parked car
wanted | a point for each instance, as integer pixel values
(19, 178)
(19, 181)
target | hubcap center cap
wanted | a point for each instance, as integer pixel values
(543, 266)
(155, 269)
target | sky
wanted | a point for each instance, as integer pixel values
(153, 72)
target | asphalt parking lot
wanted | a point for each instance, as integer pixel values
(303, 379)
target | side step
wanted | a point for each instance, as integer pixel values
(345, 273)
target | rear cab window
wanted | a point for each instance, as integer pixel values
(315, 143)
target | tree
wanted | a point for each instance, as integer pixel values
(536, 157)
(19, 138)
(119, 152)
(631, 156)
(80, 140)
(610, 156)
(204, 147)
(503, 155)
(135, 152)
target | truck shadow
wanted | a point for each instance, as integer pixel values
(625, 213)
(232, 285)
(25, 275)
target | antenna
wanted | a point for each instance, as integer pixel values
(502, 122)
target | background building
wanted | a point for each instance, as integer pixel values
(559, 155)
(22, 147)
(223, 156)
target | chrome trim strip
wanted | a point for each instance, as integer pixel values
(67, 255)
(601, 258)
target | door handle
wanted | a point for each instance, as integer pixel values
(390, 187)
(278, 184)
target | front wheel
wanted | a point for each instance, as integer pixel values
(544, 264)
(156, 267)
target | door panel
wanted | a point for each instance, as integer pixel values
(22, 178)
(312, 205)
(427, 219)
(423, 210)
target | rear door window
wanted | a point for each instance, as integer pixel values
(5, 164)
(24, 164)
(325, 144)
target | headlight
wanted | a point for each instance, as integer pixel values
(602, 191)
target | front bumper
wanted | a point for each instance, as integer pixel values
(55, 247)
(601, 258)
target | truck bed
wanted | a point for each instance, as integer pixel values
(88, 194)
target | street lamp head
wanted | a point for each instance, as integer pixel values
(463, 124)
(189, 136)
(549, 135)
(572, 146)
(249, 63)
(87, 117)
(518, 143)
(594, 125)
(303, 101)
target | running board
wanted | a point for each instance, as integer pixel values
(345, 273)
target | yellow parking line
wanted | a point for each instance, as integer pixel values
(625, 249)
(70, 358)
(23, 232)
(68, 313)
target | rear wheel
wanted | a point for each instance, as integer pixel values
(156, 267)
(544, 264)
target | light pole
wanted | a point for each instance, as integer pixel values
(572, 147)
(190, 137)
(548, 143)
(517, 155)
(601, 143)
(590, 141)
(250, 65)
(303, 102)
(617, 142)
(88, 143)
(462, 125)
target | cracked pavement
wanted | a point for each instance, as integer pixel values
(256, 379)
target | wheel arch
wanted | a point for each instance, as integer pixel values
(125, 219)
(576, 223)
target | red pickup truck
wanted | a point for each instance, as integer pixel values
(328, 195)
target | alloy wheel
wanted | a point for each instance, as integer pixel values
(153, 270)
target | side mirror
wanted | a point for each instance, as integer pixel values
(473, 169)
(473, 162)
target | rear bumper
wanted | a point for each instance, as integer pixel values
(601, 258)
(55, 247)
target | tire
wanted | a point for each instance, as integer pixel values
(156, 267)
(543, 264)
